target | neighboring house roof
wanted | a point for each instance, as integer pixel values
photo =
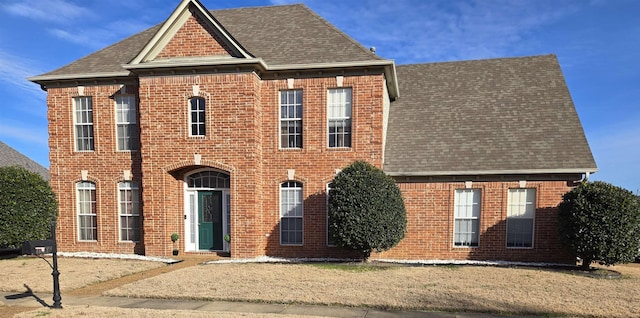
(279, 35)
(11, 157)
(498, 116)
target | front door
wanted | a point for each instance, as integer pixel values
(210, 225)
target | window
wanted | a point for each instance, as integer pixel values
(291, 119)
(291, 213)
(129, 210)
(197, 117)
(466, 228)
(520, 215)
(83, 117)
(87, 218)
(339, 115)
(126, 123)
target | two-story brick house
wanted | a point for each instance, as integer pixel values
(227, 126)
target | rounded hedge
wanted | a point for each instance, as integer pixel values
(27, 206)
(366, 209)
(600, 222)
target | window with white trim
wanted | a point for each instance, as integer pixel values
(291, 119)
(126, 123)
(129, 211)
(197, 118)
(86, 207)
(83, 123)
(466, 228)
(291, 213)
(339, 117)
(521, 208)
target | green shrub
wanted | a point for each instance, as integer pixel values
(27, 206)
(600, 222)
(366, 210)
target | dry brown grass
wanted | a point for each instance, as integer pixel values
(108, 312)
(21, 273)
(448, 288)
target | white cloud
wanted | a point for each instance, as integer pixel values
(15, 71)
(59, 11)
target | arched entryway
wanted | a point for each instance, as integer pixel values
(207, 210)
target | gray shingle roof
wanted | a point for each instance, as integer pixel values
(11, 157)
(280, 35)
(485, 117)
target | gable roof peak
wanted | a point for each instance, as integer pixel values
(176, 20)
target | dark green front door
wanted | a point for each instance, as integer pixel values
(210, 217)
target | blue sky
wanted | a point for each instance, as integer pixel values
(597, 43)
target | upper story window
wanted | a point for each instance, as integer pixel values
(339, 117)
(466, 228)
(521, 209)
(291, 213)
(197, 118)
(86, 208)
(83, 122)
(126, 123)
(291, 119)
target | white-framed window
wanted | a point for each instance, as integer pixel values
(126, 123)
(291, 119)
(197, 117)
(86, 207)
(83, 123)
(330, 240)
(291, 213)
(129, 211)
(339, 117)
(466, 228)
(521, 208)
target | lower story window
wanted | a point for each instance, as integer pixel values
(520, 217)
(291, 213)
(129, 210)
(466, 230)
(86, 207)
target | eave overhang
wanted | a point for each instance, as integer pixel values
(490, 172)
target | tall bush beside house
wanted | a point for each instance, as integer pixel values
(27, 206)
(366, 209)
(600, 222)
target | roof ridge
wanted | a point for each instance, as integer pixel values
(484, 59)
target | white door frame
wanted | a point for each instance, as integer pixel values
(191, 214)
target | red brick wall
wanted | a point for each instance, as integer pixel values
(105, 167)
(315, 163)
(194, 38)
(430, 211)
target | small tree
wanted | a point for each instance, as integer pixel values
(600, 222)
(366, 210)
(27, 206)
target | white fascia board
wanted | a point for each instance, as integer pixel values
(195, 62)
(488, 172)
(42, 78)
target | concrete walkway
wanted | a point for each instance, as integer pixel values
(38, 300)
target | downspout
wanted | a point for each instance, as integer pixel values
(585, 178)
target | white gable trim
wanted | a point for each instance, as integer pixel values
(175, 21)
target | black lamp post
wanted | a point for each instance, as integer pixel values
(56, 274)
